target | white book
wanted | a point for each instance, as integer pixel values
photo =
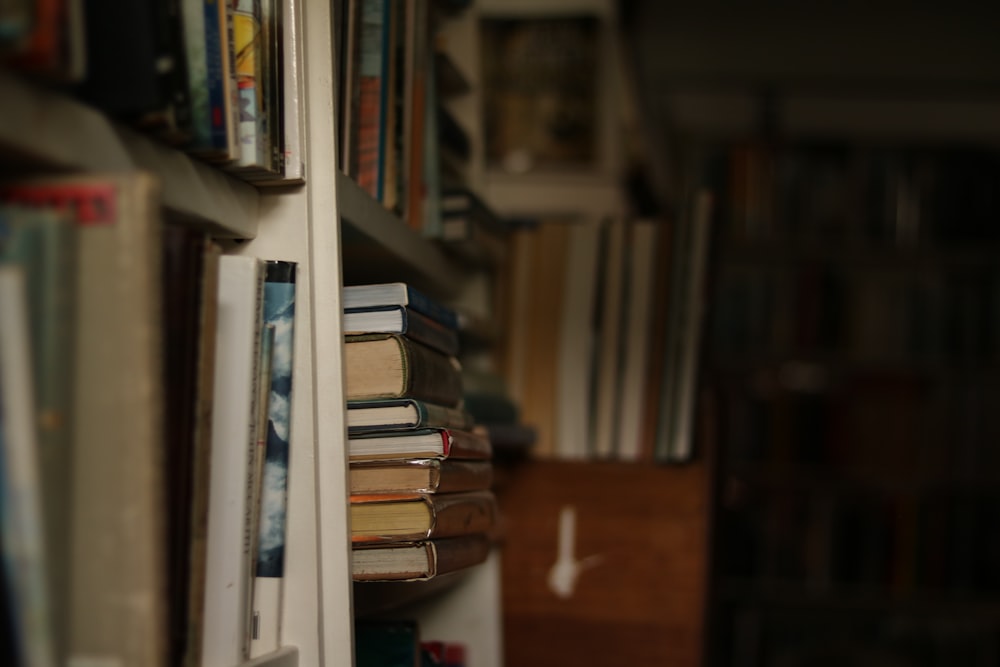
(576, 350)
(229, 568)
(608, 361)
(638, 321)
(21, 523)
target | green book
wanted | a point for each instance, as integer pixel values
(386, 643)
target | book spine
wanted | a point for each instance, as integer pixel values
(365, 160)
(422, 303)
(425, 330)
(279, 312)
(430, 375)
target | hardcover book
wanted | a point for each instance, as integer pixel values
(405, 321)
(420, 476)
(403, 414)
(379, 643)
(417, 561)
(421, 443)
(393, 366)
(398, 294)
(419, 516)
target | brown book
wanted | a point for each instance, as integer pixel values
(419, 516)
(420, 476)
(393, 366)
(418, 561)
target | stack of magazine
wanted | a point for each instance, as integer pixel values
(421, 472)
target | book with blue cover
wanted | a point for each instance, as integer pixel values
(401, 414)
(405, 321)
(398, 294)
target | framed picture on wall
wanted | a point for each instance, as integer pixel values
(540, 88)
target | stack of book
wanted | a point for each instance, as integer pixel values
(421, 472)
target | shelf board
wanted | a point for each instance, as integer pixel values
(379, 247)
(52, 132)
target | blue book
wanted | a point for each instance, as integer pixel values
(398, 294)
(405, 321)
(279, 312)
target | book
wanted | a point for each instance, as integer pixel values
(118, 587)
(577, 341)
(204, 410)
(206, 78)
(386, 643)
(403, 414)
(419, 476)
(44, 38)
(419, 443)
(136, 67)
(418, 516)
(44, 244)
(23, 552)
(248, 46)
(607, 378)
(398, 294)
(636, 337)
(674, 434)
(445, 653)
(231, 528)
(392, 366)
(365, 161)
(183, 258)
(417, 561)
(405, 321)
(279, 312)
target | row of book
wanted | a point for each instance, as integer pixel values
(804, 634)
(399, 140)
(934, 314)
(146, 425)
(884, 196)
(421, 469)
(216, 79)
(605, 329)
(879, 425)
(830, 538)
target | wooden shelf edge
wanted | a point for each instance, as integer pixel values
(56, 132)
(374, 236)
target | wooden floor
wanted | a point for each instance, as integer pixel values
(641, 602)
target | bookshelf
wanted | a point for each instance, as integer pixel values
(851, 355)
(337, 234)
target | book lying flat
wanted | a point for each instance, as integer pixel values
(394, 414)
(402, 320)
(393, 366)
(420, 444)
(419, 516)
(417, 561)
(420, 476)
(398, 294)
